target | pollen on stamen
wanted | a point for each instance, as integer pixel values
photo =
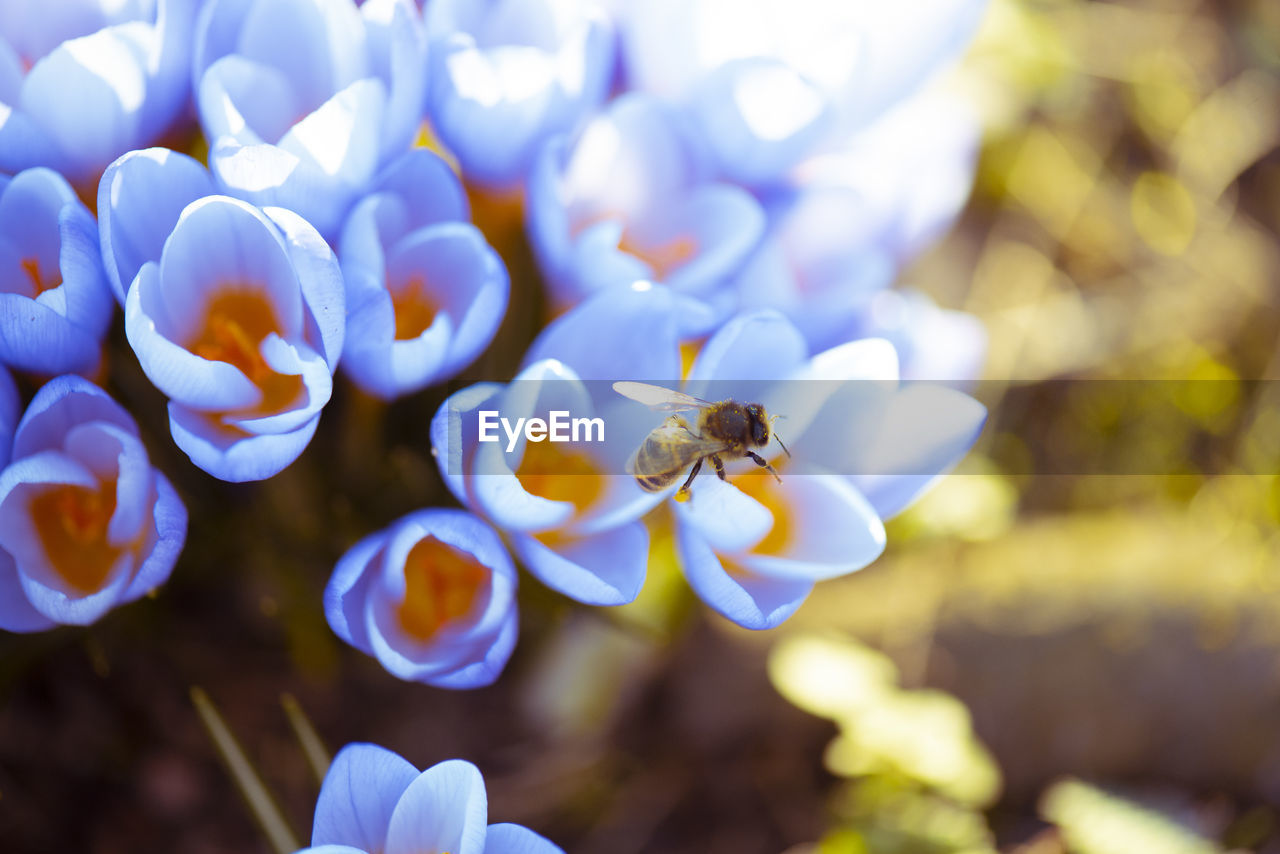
(71, 522)
(237, 321)
(442, 584)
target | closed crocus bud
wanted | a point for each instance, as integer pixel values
(432, 598)
(375, 802)
(55, 305)
(87, 523)
(84, 81)
(303, 101)
(507, 75)
(237, 314)
(425, 291)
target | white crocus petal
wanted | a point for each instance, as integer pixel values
(725, 517)
(829, 530)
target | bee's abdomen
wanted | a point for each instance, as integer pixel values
(656, 467)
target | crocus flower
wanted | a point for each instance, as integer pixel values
(303, 101)
(507, 75)
(432, 597)
(375, 802)
(83, 82)
(88, 523)
(862, 447)
(237, 314)
(845, 222)
(55, 305)
(628, 199)
(766, 84)
(425, 292)
(569, 513)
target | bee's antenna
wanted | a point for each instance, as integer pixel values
(779, 438)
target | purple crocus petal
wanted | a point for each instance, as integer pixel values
(454, 435)
(246, 101)
(11, 72)
(170, 519)
(16, 612)
(320, 279)
(10, 411)
(111, 453)
(923, 432)
(751, 601)
(230, 454)
(514, 839)
(726, 518)
(504, 81)
(397, 49)
(221, 244)
(23, 144)
(429, 190)
(831, 531)
(443, 809)
(140, 199)
(759, 117)
(180, 374)
(85, 293)
(359, 794)
(622, 334)
(36, 338)
(60, 405)
(484, 672)
(745, 354)
(348, 589)
(607, 568)
(934, 344)
(290, 360)
(904, 46)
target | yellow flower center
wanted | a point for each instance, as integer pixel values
(761, 486)
(39, 282)
(414, 307)
(236, 323)
(441, 584)
(71, 522)
(664, 258)
(550, 472)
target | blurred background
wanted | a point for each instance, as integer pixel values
(1047, 659)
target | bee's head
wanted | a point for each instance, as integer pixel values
(759, 424)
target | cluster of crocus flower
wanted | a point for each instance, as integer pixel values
(718, 195)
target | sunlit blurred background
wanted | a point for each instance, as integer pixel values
(1048, 659)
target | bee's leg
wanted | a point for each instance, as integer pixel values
(761, 461)
(715, 461)
(682, 494)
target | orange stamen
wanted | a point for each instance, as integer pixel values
(40, 284)
(763, 488)
(71, 522)
(237, 321)
(441, 584)
(558, 475)
(415, 309)
(664, 258)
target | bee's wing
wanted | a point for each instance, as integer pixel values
(659, 398)
(670, 448)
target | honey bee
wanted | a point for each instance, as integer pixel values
(723, 428)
